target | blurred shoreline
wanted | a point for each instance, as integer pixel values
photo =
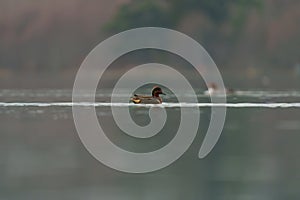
(244, 79)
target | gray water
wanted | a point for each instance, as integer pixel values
(257, 156)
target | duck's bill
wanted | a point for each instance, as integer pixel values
(163, 93)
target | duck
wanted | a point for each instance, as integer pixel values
(214, 90)
(154, 99)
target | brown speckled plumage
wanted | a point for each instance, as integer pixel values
(154, 99)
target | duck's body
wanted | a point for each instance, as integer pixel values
(213, 90)
(146, 99)
(154, 99)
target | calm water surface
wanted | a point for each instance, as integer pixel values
(42, 157)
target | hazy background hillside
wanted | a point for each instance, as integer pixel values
(254, 43)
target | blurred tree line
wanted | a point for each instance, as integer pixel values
(228, 29)
(47, 36)
(222, 21)
(169, 13)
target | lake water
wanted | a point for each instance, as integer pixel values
(256, 157)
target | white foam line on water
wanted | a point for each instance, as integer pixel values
(164, 105)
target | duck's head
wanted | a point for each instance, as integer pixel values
(212, 86)
(156, 91)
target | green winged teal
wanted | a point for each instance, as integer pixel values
(154, 99)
